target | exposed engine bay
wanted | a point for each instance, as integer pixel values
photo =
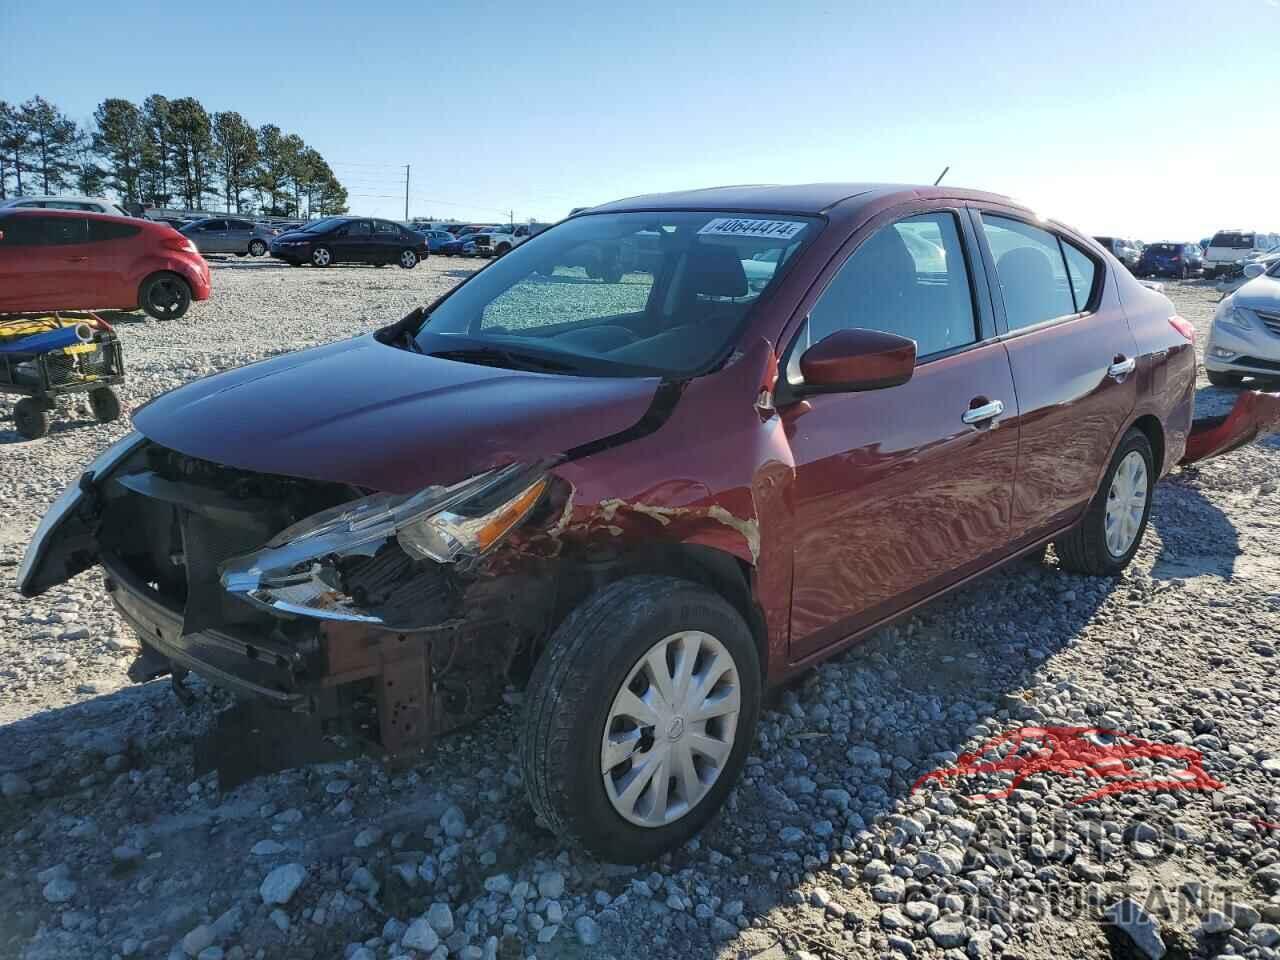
(229, 573)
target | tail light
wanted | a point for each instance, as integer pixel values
(179, 243)
(1184, 327)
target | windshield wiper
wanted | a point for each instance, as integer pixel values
(498, 357)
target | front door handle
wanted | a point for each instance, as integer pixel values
(77, 259)
(1121, 368)
(987, 411)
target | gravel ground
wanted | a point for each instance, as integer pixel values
(109, 847)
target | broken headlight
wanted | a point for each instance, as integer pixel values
(320, 566)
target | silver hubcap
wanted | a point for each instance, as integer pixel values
(408, 259)
(1126, 502)
(670, 729)
(321, 257)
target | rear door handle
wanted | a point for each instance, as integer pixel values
(988, 411)
(1121, 368)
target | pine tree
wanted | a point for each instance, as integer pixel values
(120, 140)
(51, 138)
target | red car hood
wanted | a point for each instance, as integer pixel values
(377, 416)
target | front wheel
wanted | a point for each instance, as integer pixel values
(639, 717)
(1109, 534)
(321, 257)
(165, 296)
(257, 248)
(1224, 379)
(408, 259)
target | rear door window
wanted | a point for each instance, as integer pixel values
(64, 231)
(1232, 240)
(102, 230)
(1031, 270)
(909, 278)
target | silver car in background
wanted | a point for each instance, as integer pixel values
(230, 235)
(50, 202)
(1244, 340)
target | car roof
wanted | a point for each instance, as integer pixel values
(90, 214)
(50, 196)
(806, 199)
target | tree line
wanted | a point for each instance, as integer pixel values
(165, 153)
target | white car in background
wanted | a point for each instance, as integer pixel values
(90, 204)
(1229, 247)
(1244, 340)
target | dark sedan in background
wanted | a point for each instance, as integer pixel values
(350, 240)
(1171, 260)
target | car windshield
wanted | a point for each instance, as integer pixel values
(623, 294)
(319, 226)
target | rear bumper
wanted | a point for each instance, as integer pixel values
(1254, 415)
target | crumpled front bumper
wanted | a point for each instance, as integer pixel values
(1255, 414)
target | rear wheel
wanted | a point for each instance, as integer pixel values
(503, 248)
(1224, 379)
(31, 418)
(105, 404)
(639, 717)
(257, 248)
(321, 257)
(1109, 534)
(165, 296)
(408, 259)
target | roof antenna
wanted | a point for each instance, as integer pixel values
(942, 174)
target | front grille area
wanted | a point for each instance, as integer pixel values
(1270, 320)
(1257, 363)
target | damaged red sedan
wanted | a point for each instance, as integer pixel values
(655, 460)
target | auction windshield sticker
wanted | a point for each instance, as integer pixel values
(737, 227)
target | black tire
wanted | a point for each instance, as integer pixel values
(321, 257)
(408, 259)
(257, 248)
(571, 694)
(504, 248)
(105, 404)
(31, 418)
(1183, 273)
(1084, 549)
(1224, 379)
(165, 296)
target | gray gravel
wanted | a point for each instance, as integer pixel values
(110, 848)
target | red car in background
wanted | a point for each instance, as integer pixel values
(72, 260)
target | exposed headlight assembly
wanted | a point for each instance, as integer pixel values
(305, 570)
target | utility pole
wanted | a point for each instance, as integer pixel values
(406, 193)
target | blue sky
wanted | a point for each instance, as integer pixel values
(1147, 118)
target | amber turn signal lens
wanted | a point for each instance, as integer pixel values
(498, 523)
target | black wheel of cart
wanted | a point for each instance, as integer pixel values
(31, 418)
(105, 404)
